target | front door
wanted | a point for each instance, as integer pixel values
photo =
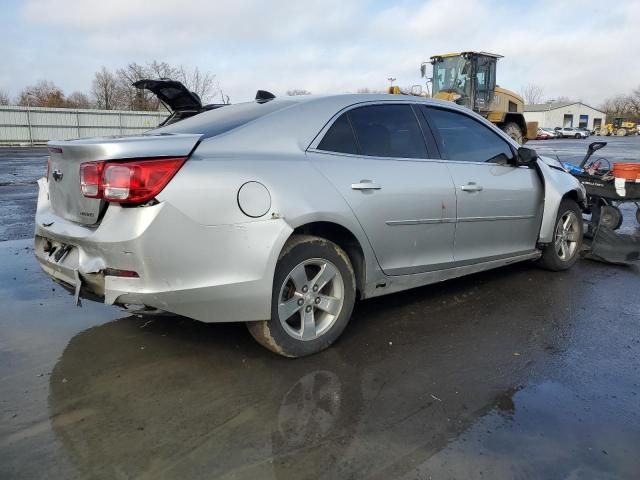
(499, 205)
(377, 158)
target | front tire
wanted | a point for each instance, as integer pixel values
(513, 130)
(314, 290)
(563, 252)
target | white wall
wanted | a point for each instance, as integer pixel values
(22, 125)
(555, 117)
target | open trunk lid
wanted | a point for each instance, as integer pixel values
(172, 93)
(66, 156)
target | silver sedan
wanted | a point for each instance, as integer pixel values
(283, 212)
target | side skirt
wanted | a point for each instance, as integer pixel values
(392, 284)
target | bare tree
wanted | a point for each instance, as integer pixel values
(117, 89)
(137, 99)
(532, 94)
(159, 70)
(298, 91)
(4, 98)
(106, 90)
(43, 94)
(224, 98)
(201, 83)
(625, 106)
(78, 100)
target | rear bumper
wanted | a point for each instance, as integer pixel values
(216, 273)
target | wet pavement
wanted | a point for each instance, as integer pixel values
(514, 373)
(20, 169)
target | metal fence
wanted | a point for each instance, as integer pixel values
(38, 125)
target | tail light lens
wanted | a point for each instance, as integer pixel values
(90, 176)
(128, 182)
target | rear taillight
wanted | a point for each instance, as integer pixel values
(90, 179)
(128, 182)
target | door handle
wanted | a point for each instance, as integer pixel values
(471, 187)
(365, 185)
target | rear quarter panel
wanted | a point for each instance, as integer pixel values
(206, 190)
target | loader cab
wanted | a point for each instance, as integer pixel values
(467, 78)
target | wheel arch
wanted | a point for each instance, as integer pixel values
(345, 239)
(577, 197)
(558, 185)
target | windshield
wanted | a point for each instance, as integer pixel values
(452, 75)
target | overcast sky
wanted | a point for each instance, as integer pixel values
(581, 49)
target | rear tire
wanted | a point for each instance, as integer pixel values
(314, 290)
(578, 136)
(513, 130)
(565, 248)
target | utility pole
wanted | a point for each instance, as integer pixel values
(391, 80)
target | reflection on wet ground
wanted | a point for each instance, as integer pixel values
(514, 373)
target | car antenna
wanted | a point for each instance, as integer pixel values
(263, 96)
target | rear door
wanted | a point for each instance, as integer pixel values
(499, 205)
(380, 162)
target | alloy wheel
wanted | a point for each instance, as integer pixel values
(567, 236)
(310, 299)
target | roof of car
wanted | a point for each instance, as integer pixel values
(293, 126)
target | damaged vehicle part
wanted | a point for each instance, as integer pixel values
(177, 99)
(281, 212)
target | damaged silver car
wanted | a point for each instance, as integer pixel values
(282, 212)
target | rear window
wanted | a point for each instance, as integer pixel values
(224, 119)
(340, 137)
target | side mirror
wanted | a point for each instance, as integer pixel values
(526, 156)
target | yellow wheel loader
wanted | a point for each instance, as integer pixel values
(619, 127)
(469, 79)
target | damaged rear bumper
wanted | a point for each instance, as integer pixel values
(215, 273)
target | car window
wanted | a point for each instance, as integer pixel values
(339, 138)
(465, 139)
(224, 119)
(388, 131)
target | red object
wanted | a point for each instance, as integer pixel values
(629, 171)
(128, 182)
(90, 174)
(115, 272)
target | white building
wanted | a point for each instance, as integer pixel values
(560, 114)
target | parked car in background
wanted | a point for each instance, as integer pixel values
(551, 132)
(567, 132)
(586, 131)
(282, 212)
(544, 135)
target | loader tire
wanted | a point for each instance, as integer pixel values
(513, 130)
